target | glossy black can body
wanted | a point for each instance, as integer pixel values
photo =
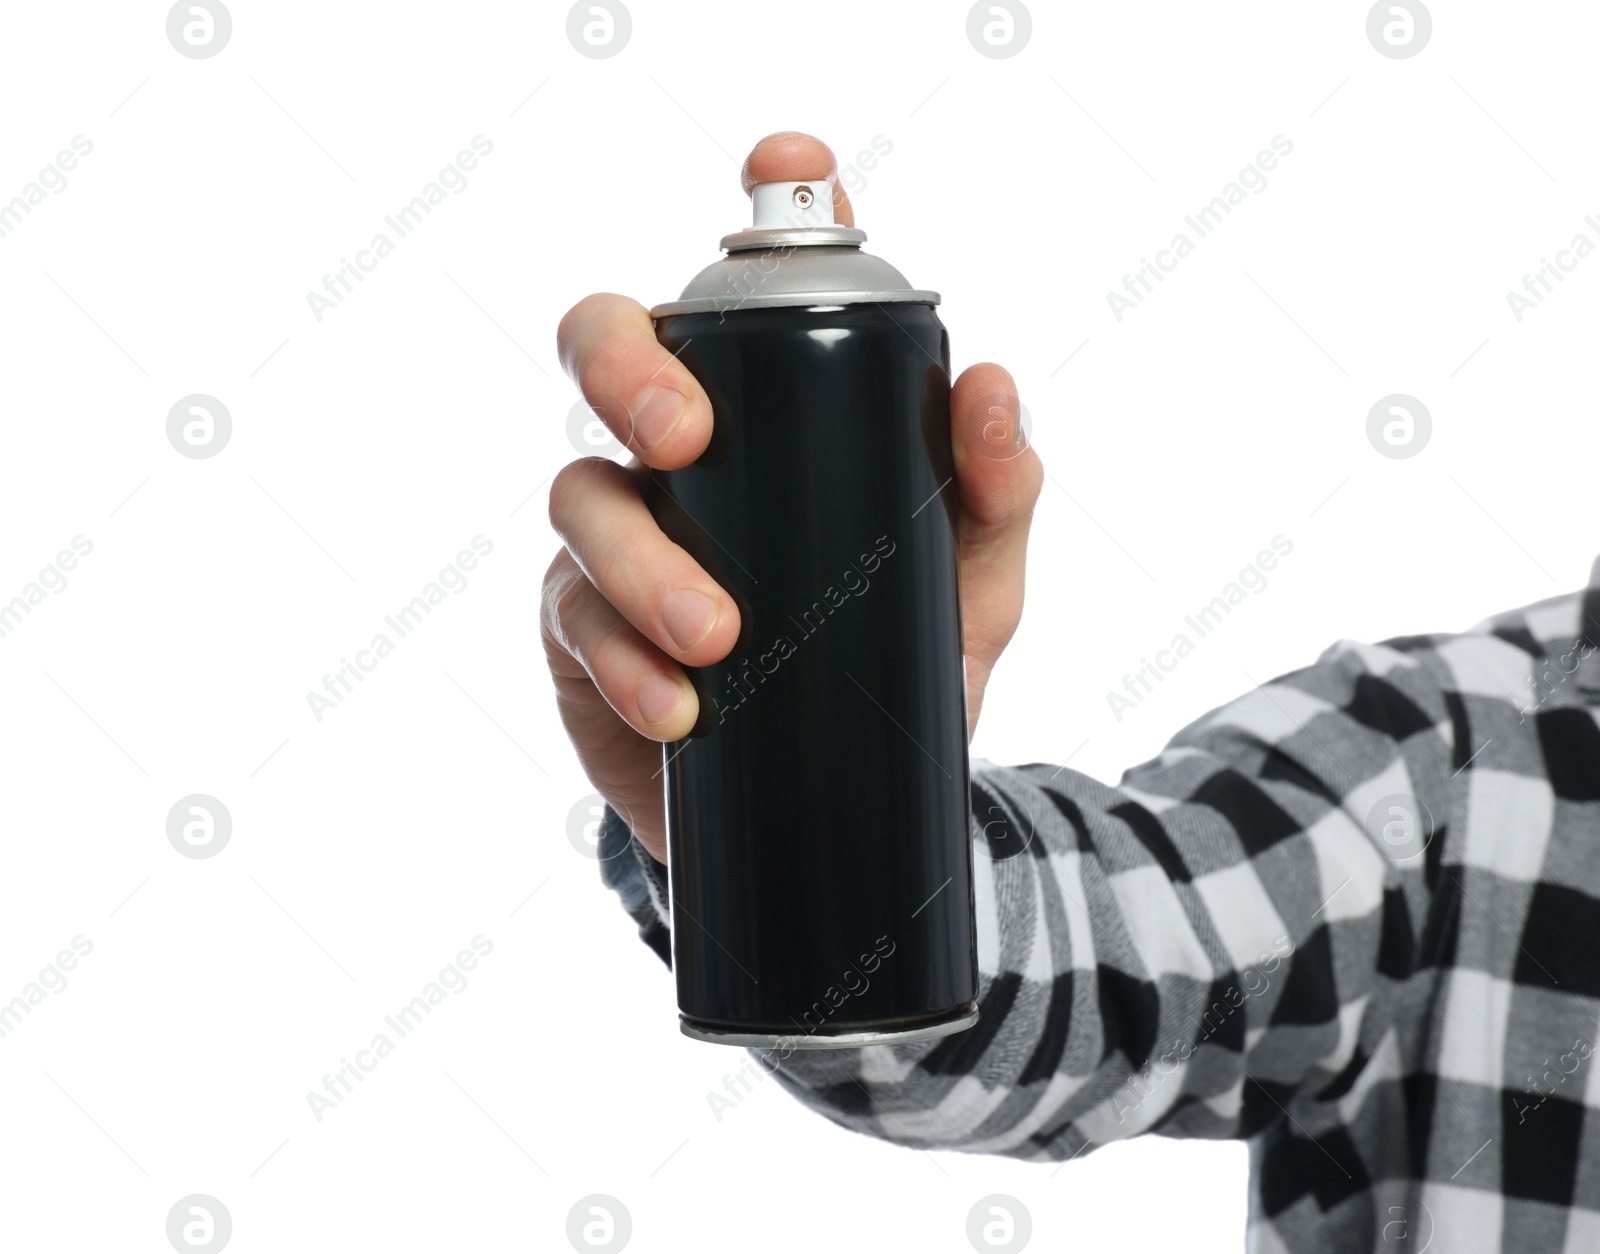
(819, 850)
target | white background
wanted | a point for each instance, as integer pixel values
(429, 408)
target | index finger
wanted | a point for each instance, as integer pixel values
(787, 156)
(645, 395)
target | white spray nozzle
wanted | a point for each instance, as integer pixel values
(806, 203)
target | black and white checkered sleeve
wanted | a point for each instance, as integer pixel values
(640, 882)
(1185, 953)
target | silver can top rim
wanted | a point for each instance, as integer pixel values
(792, 300)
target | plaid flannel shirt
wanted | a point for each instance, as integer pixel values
(1352, 917)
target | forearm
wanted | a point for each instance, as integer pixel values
(1184, 952)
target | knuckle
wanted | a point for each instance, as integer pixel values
(568, 490)
(613, 368)
(552, 572)
(566, 604)
(558, 578)
(588, 624)
(557, 573)
(569, 331)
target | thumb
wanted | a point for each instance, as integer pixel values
(999, 477)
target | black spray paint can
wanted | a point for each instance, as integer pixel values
(819, 852)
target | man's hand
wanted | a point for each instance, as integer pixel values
(624, 608)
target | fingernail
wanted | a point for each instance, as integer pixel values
(654, 412)
(658, 698)
(688, 616)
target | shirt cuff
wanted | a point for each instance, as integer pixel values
(640, 882)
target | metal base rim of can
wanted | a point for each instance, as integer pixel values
(843, 1040)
